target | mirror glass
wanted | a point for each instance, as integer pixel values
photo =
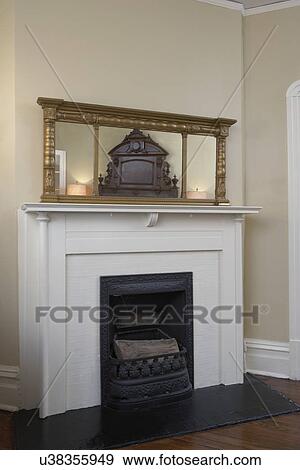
(74, 158)
(143, 163)
(132, 163)
(201, 167)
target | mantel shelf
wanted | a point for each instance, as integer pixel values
(139, 208)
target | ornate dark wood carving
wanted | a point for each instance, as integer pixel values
(138, 168)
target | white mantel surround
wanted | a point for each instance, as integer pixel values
(63, 251)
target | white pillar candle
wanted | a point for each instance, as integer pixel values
(197, 194)
(77, 189)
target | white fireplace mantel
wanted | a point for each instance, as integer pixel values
(64, 249)
(139, 208)
(152, 211)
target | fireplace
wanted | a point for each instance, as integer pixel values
(66, 249)
(152, 316)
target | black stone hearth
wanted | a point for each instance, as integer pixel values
(146, 307)
(106, 428)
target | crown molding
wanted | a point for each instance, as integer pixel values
(272, 7)
(255, 10)
(225, 4)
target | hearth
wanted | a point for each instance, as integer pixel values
(146, 339)
(105, 428)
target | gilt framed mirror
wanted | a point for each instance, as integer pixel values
(103, 154)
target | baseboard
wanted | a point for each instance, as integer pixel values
(9, 388)
(265, 357)
(295, 359)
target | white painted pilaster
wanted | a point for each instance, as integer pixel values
(293, 131)
(43, 219)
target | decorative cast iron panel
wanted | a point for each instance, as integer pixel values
(153, 285)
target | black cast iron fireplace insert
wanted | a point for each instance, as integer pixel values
(146, 307)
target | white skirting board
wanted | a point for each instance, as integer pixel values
(265, 357)
(9, 388)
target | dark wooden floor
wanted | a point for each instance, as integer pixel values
(281, 433)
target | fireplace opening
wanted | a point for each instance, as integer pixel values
(146, 338)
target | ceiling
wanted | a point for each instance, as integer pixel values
(257, 3)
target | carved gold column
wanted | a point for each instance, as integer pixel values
(49, 151)
(221, 165)
(184, 165)
(96, 160)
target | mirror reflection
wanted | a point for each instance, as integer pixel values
(74, 156)
(201, 167)
(119, 162)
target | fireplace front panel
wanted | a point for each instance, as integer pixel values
(135, 306)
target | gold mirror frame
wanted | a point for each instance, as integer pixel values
(56, 110)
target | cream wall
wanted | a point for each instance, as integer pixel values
(8, 238)
(168, 55)
(266, 267)
(94, 52)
